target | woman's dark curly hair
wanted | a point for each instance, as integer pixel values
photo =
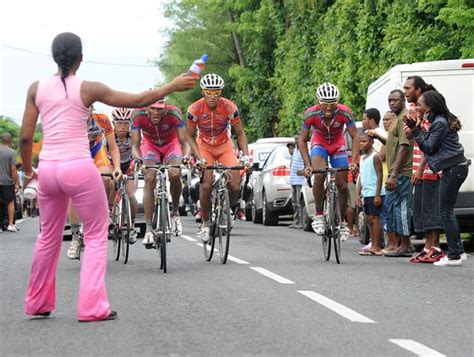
(437, 103)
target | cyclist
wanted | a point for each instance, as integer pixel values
(122, 119)
(164, 140)
(101, 135)
(212, 116)
(328, 118)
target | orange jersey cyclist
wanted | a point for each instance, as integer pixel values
(212, 117)
(327, 120)
(164, 140)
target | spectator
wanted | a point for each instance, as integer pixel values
(426, 218)
(399, 153)
(443, 153)
(296, 182)
(370, 187)
(9, 184)
(370, 122)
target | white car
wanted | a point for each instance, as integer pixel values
(258, 152)
(272, 190)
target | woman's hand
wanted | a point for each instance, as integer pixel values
(183, 82)
(27, 177)
(409, 121)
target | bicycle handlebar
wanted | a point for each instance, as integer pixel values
(324, 171)
(112, 176)
(221, 167)
(166, 167)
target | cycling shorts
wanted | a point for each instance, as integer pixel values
(338, 158)
(162, 153)
(223, 153)
(101, 158)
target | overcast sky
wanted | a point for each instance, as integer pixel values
(128, 33)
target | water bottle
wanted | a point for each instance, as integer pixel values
(198, 66)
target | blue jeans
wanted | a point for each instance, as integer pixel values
(451, 181)
(397, 206)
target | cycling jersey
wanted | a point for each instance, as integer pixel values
(125, 149)
(99, 127)
(213, 125)
(329, 137)
(162, 133)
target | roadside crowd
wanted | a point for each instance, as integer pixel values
(409, 176)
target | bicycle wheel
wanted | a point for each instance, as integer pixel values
(116, 213)
(223, 227)
(326, 238)
(209, 246)
(336, 219)
(163, 231)
(125, 228)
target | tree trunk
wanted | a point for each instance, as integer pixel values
(236, 40)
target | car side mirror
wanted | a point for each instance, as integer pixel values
(256, 166)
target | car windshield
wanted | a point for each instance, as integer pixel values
(280, 155)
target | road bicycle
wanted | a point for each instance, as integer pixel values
(220, 216)
(121, 227)
(162, 227)
(331, 211)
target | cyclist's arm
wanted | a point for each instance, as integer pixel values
(30, 117)
(185, 141)
(136, 141)
(352, 130)
(191, 132)
(303, 146)
(114, 151)
(241, 138)
(96, 91)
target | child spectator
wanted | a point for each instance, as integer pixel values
(371, 189)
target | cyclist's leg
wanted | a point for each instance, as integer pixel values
(319, 157)
(207, 153)
(227, 158)
(151, 156)
(173, 156)
(81, 181)
(340, 160)
(40, 296)
(102, 163)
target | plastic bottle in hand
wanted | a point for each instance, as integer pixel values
(198, 66)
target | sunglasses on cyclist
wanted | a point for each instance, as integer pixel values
(211, 92)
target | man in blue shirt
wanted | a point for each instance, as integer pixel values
(296, 182)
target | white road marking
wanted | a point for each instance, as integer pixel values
(191, 239)
(336, 307)
(271, 275)
(237, 260)
(416, 348)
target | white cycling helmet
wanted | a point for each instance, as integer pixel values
(212, 81)
(120, 113)
(327, 93)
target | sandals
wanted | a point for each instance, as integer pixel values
(370, 253)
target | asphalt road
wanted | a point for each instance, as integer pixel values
(275, 296)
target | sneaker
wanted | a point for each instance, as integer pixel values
(132, 238)
(149, 238)
(344, 231)
(177, 225)
(73, 252)
(447, 262)
(416, 259)
(319, 225)
(463, 256)
(432, 256)
(241, 216)
(12, 228)
(203, 234)
(199, 216)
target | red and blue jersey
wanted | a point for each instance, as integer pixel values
(162, 133)
(331, 136)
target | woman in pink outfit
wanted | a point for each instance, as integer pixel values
(67, 172)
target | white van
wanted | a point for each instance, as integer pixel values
(455, 80)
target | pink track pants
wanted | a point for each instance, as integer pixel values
(80, 181)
